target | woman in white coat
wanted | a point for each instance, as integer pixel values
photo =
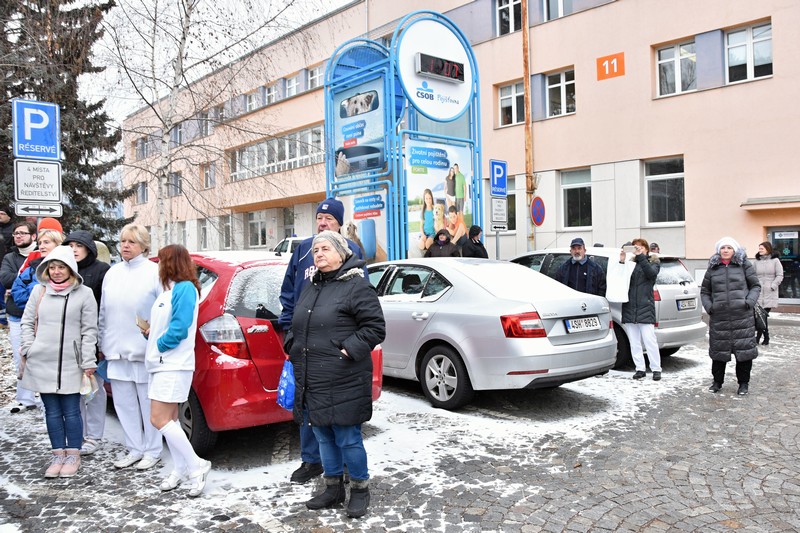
(129, 290)
(770, 274)
(59, 332)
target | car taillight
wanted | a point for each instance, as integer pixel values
(656, 295)
(523, 325)
(225, 335)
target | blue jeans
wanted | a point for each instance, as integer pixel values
(340, 445)
(309, 447)
(62, 413)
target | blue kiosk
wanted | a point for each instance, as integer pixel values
(402, 137)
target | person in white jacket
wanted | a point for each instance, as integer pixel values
(170, 362)
(129, 290)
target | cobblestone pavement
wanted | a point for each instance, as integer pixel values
(672, 457)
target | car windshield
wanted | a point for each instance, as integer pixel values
(255, 292)
(673, 273)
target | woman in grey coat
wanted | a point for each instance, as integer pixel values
(770, 274)
(59, 333)
(729, 293)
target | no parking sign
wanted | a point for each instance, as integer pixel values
(537, 211)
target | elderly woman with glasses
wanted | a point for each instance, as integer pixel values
(337, 323)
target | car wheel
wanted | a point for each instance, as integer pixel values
(623, 348)
(666, 352)
(444, 378)
(193, 423)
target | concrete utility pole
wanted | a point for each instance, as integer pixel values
(530, 182)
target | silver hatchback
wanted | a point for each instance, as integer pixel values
(461, 325)
(677, 296)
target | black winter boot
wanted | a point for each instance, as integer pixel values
(758, 338)
(333, 495)
(766, 338)
(359, 498)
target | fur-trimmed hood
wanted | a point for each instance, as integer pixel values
(739, 258)
(773, 255)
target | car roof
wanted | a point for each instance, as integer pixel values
(245, 258)
(604, 251)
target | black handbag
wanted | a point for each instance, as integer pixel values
(761, 318)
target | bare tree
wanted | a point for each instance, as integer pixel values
(183, 61)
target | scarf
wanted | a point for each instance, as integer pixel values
(58, 287)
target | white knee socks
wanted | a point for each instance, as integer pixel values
(183, 456)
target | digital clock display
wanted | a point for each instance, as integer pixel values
(437, 67)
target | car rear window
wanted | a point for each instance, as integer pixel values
(255, 292)
(673, 273)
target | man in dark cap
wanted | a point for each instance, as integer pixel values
(581, 272)
(330, 216)
(474, 247)
(655, 248)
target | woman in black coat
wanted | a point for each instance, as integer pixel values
(336, 324)
(729, 293)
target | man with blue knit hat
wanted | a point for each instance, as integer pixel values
(581, 272)
(330, 216)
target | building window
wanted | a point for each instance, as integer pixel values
(561, 93)
(512, 209)
(291, 86)
(140, 148)
(251, 101)
(271, 94)
(219, 114)
(512, 104)
(749, 53)
(315, 77)
(225, 227)
(576, 193)
(664, 186)
(202, 234)
(509, 16)
(676, 69)
(554, 9)
(203, 125)
(180, 228)
(207, 174)
(257, 228)
(141, 192)
(294, 150)
(174, 184)
(176, 134)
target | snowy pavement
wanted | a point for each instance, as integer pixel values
(603, 454)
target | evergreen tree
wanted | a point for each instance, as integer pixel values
(46, 46)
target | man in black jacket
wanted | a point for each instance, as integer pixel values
(473, 247)
(581, 272)
(442, 247)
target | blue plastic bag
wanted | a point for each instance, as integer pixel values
(286, 386)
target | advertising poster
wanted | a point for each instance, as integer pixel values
(439, 188)
(365, 223)
(359, 128)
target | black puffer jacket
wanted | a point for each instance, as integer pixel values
(448, 249)
(729, 294)
(91, 270)
(641, 306)
(336, 310)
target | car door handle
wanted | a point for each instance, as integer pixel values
(419, 316)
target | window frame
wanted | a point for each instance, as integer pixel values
(292, 86)
(202, 234)
(677, 62)
(270, 94)
(512, 19)
(176, 134)
(517, 116)
(749, 45)
(257, 220)
(562, 84)
(652, 178)
(141, 193)
(226, 231)
(560, 7)
(207, 175)
(564, 201)
(251, 101)
(315, 77)
(203, 124)
(174, 184)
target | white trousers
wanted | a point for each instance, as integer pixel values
(94, 413)
(24, 396)
(639, 334)
(133, 410)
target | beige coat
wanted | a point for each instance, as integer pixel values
(770, 275)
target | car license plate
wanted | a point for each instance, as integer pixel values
(575, 325)
(683, 305)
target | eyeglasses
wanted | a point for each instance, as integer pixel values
(19, 234)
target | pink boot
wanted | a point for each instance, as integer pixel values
(72, 461)
(55, 464)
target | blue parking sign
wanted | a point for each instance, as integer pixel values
(498, 172)
(37, 130)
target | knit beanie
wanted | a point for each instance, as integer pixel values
(334, 207)
(49, 223)
(338, 242)
(728, 241)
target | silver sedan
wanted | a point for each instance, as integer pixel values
(461, 325)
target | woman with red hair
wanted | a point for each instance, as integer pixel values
(170, 362)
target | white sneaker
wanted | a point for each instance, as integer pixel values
(198, 479)
(148, 461)
(128, 460)
(90, 446)
(172, 481)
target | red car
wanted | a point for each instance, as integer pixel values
(239, 347)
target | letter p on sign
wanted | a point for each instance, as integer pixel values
(33, 119)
